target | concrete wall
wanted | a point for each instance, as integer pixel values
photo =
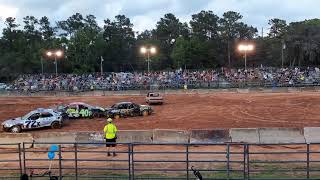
(281, 135)
(54, 137)
(7, 138)
(250, 135)
(312, 134)
(236, 135)
(170, 136)
(210, 136)
(143, 136)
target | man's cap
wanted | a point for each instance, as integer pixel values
(109, 120)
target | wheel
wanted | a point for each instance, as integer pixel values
(116, 116)
(55, 125)
(145, 113)
(15, 129)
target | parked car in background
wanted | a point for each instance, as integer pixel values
(82, 110)
(154, 98)
(35, 119)
(128, 109)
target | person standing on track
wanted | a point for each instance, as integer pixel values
(110, 131)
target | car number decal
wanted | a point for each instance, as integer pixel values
(32, 124)
(85, 113)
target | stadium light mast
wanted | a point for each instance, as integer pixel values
(245, 48)
(56, 54)
(148, 51)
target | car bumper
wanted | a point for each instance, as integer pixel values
(5, 128)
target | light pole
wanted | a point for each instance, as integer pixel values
(101, 61)
(245, 48)
(56, 54)
(148, 51)
(41, 65)
(282, 53)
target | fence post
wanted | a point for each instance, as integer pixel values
(132, 159)
(20, 163)
(228, 161)
(308, 161)
(129, 160)
(187, 160)
(244, 161)
(248, 162)
(24, 158)
(60, 163)
(76, 159)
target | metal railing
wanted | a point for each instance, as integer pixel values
(162, 161)
(10, 161)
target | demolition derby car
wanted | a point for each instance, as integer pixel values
(82, 110)
(154, 98)
(127, 109)
(33, 120)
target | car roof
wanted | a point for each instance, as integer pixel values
(43, 110)
(78, 103)
(124, 103)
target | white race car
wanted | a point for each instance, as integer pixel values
(33, 120)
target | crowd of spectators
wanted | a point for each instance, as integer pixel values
(173, 79)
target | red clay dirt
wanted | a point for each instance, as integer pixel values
(189, 111)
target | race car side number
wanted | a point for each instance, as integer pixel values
(32, 124)
(85, 113)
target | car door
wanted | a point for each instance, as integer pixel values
(32, 121)
(123, 109)
(45, 119)
(72, 111)
(84, 111)
(135, 109)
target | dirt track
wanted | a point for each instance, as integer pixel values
(219, 110)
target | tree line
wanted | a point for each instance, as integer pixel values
(207, 41)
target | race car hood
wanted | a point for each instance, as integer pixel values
(112, 110)
(11, 122)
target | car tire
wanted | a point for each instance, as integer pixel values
(55, 125)
(16, 129)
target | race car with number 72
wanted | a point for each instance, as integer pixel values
(33, 120)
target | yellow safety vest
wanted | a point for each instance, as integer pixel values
(110, 130)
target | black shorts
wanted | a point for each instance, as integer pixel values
(111, 142)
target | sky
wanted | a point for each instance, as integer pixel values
(145, 13)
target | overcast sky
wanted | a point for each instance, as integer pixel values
(145, 13)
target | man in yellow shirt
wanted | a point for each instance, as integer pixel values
(110, 131)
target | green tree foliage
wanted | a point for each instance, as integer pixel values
(229, 25)
(120, 43)
(207, 41)
(205, 25)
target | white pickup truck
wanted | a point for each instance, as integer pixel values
(154, 98)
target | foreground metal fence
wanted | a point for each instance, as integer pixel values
(162, 161)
